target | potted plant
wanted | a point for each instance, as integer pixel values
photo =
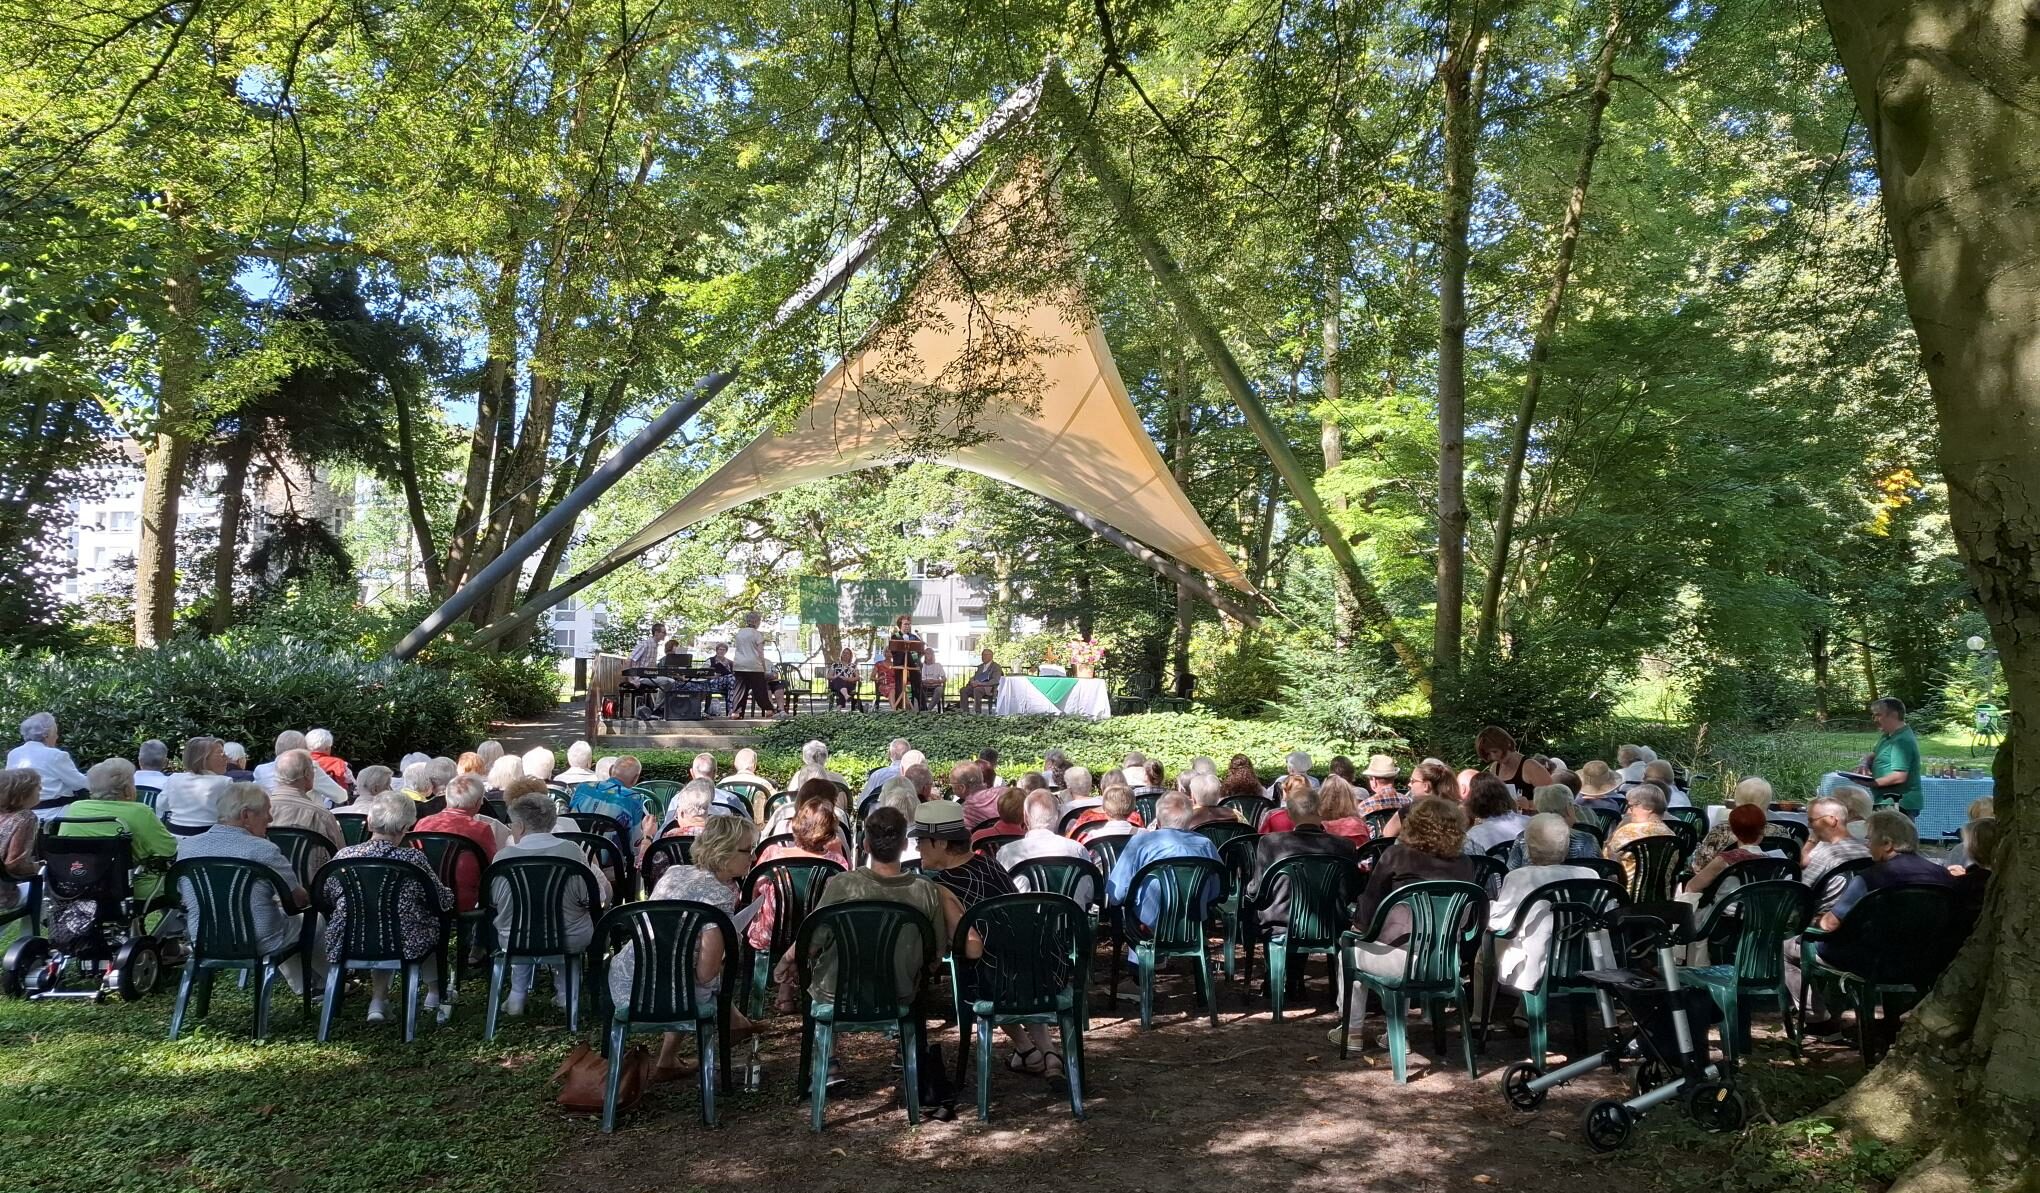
(1085, 655)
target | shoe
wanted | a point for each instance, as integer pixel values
(442, 1012)
(1052, 1068)
(377, 1013)
(513, 1006)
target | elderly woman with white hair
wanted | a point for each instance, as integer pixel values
(489, 751)
(580, 765)
(533, 815)
(814, 764)
(688, 810)
(420, 905)
(1556, 799)
(1547, 844)
(319, 743)
(239, 769)
(539, 763)
(110, 796)
(503, 771)
(61, 778)
(1753, 791)
(418, 784)
(371, 782)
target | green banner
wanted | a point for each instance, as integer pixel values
(854, 602)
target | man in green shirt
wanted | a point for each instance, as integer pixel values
(1894, 766)
(110, 788)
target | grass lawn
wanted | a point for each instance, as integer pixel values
(1947, 746)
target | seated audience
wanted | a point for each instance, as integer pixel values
(421, 906)
(980, 799)
(1041, 814)
(462, 817)
(1492, 806)
(814, 764)
(1630, 760)
(20, 792)
(538, 763)
(1645, 817)
(1168, 838)
(319, 743)
(1748, 824)
(746, 762)
(1547, 846)
(814, 835)
(1381, 774)
(1306, 837)
(110, 795)
(1895, 861)
(1430, 846)
(688, 810)
(1339, 804)
(1116, 817)
(491, 752)
(1751, 792)
(895, 751)
(1828, 844)
(1660, 772)
(418, 785)
(62, 781)
(324, 789)
(291, 803)
(1980, 844)
(901, 795)
(1554, 799)
(371, 782)
(1053, 764)
(885, 838)
(240, 832)
(1979, 809)
(152, 764)
(1012, 802)
(187, 799)
(1204, 806)
(613, 797)
(1079, 789)
(1240, 779)
(239, 768)
(580, 765)
(1600, 787)
(1296, 764)
(502, 772)
(722, 856)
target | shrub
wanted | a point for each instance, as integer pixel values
(1539, 698)
(1245, 682)
(1731, 693)
(1335, 693)
(246, 687)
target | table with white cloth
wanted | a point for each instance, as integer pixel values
(1051, 695)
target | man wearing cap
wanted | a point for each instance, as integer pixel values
(947, 858)
(1381, 774)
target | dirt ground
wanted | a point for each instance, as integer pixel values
(1250, 1105)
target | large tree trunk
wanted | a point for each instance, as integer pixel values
(1463, 75)
(1180, 681)
(165, 452)
(233, 505)
(1818, 643)
(1951, 98)
(493, 401)
(1546, 334)
(414, 502)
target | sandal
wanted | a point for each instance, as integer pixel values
(1018, 1062)
(1052, 1068)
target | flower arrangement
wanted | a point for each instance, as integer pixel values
(1085, 653)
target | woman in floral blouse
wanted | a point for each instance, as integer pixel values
(420, 905)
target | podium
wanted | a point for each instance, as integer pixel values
(903, 659)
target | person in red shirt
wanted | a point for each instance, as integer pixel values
(320, 743)
(463, 802)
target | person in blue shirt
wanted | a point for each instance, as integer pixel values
(613, 797)
(1167, 839)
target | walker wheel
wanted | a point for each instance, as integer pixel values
(1716, 1107)
(1607, 1125)
(1517, 1089)
(1648, 1076)
(24, 958)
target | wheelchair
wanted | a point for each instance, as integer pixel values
(97, 944)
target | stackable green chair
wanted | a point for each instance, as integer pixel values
(221, 934)
(1250, 808)
(1654, 875)
(1036, 955)
(1578, 907)
(1907, 934)
(1237, 853)
(1750, 925)
(871, 939)
(797, 884)
(1320, 890)
(534, 891)
(1446, 920)
(665, 938)
(1184, 906)
(372, 931)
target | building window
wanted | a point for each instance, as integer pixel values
(933, 639)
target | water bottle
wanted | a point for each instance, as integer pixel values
(754, 1070)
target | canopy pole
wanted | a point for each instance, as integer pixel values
(825, 282)
(1168, 568)
(1063, 104)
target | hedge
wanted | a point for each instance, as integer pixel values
(247, 689)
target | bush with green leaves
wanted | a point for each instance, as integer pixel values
(1739, 694)
(1539, 698)
(1245, 682)
(248, 687)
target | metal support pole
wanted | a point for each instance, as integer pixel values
(826, 281)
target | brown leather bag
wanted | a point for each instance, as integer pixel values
(582, 1074)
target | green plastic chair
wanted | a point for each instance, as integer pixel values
(1183, 908)
(1320, 889)
(797, 884)
(1781, 827)
(1218, 832)
(660, 792)
(665, 937)
(307, 851)
(1732, 878)
(1578, 907)
(1751, 924)
(1697, 817)
(371, 935)
(1106, 850)
(1144, 801)
(1907, 934)
(1654, 874)
(1037, 953)
(220, 934)
(146, 796)
(869, 937)
(448, 853)
(353, 829)
(1065, 876)
(1446, 920)
(774, 804)
(603, 854)
(534, 891)
(1377, 821)
(662, 855)
(1252, 809)
(1238, 855)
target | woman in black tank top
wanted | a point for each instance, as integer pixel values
(1497, 750)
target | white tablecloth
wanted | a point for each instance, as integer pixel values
(1088, 699)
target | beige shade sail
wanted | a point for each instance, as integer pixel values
(1055, 420)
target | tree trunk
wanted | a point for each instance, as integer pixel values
(1869, 662)
(1950, 97)
(167, 449)
(1181, 682)
(1463, 75)
(1818, 641)
(492, 399)
(1547, 332)
(414, 503)
(233, 503)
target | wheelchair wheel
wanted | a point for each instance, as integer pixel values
(1607, 1125)
(1516, 1086)
(135, 968)
(23, 961)
(1716, 1107)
